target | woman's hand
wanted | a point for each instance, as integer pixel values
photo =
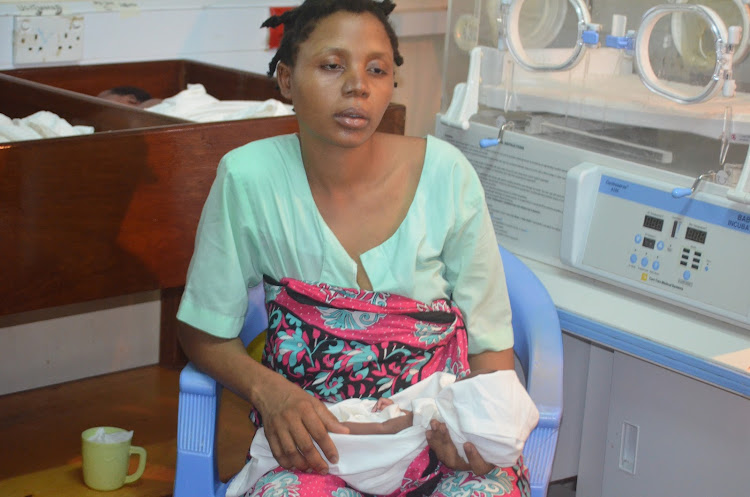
(440, 441)
(293, 419)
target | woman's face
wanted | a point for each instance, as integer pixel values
(342, 80)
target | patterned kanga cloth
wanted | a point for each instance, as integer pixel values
(338, 343)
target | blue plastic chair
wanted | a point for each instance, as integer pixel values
(538, 346)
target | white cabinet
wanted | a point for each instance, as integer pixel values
(671, 435)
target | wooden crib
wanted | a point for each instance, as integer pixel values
(114, 213)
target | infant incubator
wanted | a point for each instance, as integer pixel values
(612, 138)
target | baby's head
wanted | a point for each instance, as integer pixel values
(129, 95)
(300, 22)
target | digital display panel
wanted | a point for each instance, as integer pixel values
(649, 242)
(653, 223)
(695, 235)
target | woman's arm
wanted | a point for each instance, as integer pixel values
(292, 418)
(488, 361)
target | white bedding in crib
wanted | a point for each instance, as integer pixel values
(195, 104)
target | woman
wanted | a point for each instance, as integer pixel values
(340, 204)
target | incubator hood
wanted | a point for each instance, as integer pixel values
(660, 84)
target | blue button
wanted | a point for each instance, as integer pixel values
(644, 262)
(633, 258)
(638, 238)
(686, 275)
(706, 268)
(660, 246)
(656, 265)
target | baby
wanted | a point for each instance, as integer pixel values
(391, 425)
(492, 410)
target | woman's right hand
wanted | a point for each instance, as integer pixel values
(293, 419)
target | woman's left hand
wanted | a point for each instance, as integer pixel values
(440, 441)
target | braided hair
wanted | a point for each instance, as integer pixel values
(300, 22)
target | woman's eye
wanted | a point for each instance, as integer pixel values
(378, 70)
(331, 67)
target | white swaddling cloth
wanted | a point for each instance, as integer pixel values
(194, 104)
(492, 411)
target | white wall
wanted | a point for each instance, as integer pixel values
(55, 345)
(228, 33)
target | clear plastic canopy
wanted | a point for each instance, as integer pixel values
(665, 84)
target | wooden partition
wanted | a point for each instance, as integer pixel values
(114, 213)
(161, 79)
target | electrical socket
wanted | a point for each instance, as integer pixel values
(47, 39)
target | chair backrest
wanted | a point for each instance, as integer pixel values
(536, 332)
(256, 319)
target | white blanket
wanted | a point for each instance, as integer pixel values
(42, 124)
(492, 411)
(194, 104)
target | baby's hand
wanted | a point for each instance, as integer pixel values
(381, 404)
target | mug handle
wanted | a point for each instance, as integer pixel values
(141, 463)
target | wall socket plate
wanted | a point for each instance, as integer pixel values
(47, 39)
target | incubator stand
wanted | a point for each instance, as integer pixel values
(613, 143)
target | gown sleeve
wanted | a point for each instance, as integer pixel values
(474, 268)
(222, 267)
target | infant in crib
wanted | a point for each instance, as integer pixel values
(492, 410)
(130, 95)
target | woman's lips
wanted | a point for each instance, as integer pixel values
(352, 118)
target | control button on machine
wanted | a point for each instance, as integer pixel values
(655, 265)
(633, 258)
(644, 262)
(638, 238)
(686, 275)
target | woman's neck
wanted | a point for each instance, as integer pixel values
(333, 168)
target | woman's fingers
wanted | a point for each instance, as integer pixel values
(319, 424)
(478, 465)
(440, 442)
(284, 449)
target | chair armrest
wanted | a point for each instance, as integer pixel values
(539, 453)
(197, 473)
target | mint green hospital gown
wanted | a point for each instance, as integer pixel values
(260, 218)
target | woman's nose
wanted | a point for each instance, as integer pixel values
(356, 84)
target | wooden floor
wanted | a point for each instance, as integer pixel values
(40, 432)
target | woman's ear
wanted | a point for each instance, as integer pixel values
(284, 79)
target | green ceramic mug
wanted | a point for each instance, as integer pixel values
(105, 465)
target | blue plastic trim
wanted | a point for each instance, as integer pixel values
(661, 355)
(619, 42)
(590, 37)
(489, 142)
(681, 192)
